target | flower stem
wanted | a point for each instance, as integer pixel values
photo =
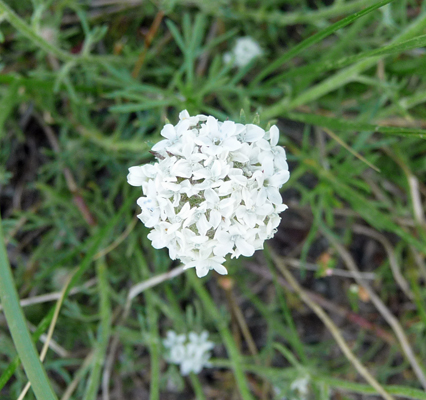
(229, 342)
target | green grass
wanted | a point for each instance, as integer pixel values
(84, 95)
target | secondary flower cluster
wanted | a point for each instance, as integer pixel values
(244, 50)
(213, 192)
(191, 351)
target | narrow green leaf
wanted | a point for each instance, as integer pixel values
(315, 39)
(417, 42)
(41, 328)
(25, 29)
(104, 333)
(287, 354)
(176, 34)
(354, 126)
(8, 103)
(342, 77)
(148, 105)
(302, 17)
(197, 386)
(369, 211)
(18, 328)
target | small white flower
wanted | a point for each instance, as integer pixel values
(214, 191)
(244, 50)
(204, 264)
(234, 241)
(301, 387)
(191, 351)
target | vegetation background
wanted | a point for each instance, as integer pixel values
(336, 300)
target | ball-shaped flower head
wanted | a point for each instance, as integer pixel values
(213, 192)
(244, 51)
(191, 351)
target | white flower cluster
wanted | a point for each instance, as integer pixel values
(244, 50)
(296, 390)
(213, 192)
(191, 351)
(301, 387)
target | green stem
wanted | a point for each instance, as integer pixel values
(18, 328)
(285, 18)
(197, 386)
(16, 362)
(312, 40)
(104, 333)
(19, 24)
(341, 78)
(229, 342)
(154, 339)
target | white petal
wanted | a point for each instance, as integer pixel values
(182, 126)
(266, 158)
(190, 265)
(146, 203)
(247, 197)
(161, 145)
(203, 141)
(183, 115)
(245, 248)
(211, 196)
(261, 197)
(274, 195)
(212, 124)
(205, 252)
(182, 168)
(199, 239)
(263, 144)
(232, 144)
(202, 271)
(220, 269)
(280, 159)
(184, 212)
(251, 220)
(279, 208)
(239, 156)
(266, 209)
(226, 204)
(157, 240)
(240, 179)
(228, 129)
(278, 179)
(222, 249)
(168, 132)
(225, 188)
(223, 237)
(216, 168)
(203, 225)
(174, 187)
(203, 185)
(202, 174)
(190, 217)
(253, 133)
(274, 135)
(136, 177)
(215, 218)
